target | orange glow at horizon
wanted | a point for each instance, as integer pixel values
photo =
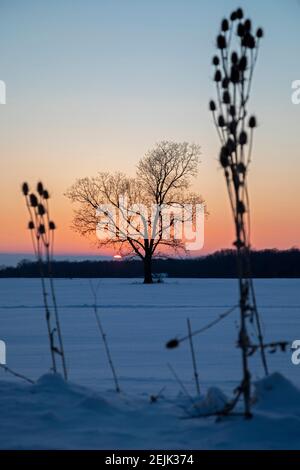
(275, 227)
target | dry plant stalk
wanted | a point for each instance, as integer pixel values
(237, 51)
(104, 338)
(195, 369)
(42, 230)
(16, 374)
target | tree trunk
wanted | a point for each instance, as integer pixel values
(148, 270)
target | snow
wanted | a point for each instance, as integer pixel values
(213, 402)
(138, 319)
(53, 414)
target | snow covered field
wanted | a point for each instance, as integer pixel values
(138, 321)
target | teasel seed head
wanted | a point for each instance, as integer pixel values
(216, 60)
(42, 229)
(221, 41)
(248, 41)
(232, 110)
(231, 147)
(224, 157)
(30, 225)
(240, 30)
(243, 138)
(225, 83)
(234, 58)
(243, 63)
(33, 200)
(226, 97)
(40, 188)
(235, 74)
(224, 25)
(46, 194)
(248, 25)
(233, 126)
(241, 207)
(252, 122)
(52, 225)
(25, 189)
(41, 209)
(259, 33)
(221, 121)
(172, 344)
(233, 16)
(218, 76)
(239, 13)
(212, 105)
(241, 168)
(236, 178)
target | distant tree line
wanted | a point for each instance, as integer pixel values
(221, 264)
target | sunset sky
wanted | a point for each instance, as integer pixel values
(92, 85)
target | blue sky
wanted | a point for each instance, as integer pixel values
(91, 85)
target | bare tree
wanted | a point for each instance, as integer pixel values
(140, 216)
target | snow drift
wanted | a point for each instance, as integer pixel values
(53, 414)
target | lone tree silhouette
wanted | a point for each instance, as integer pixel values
(134, 209)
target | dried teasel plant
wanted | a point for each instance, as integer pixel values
(42, 230)
(237, 47)
(237, 51)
